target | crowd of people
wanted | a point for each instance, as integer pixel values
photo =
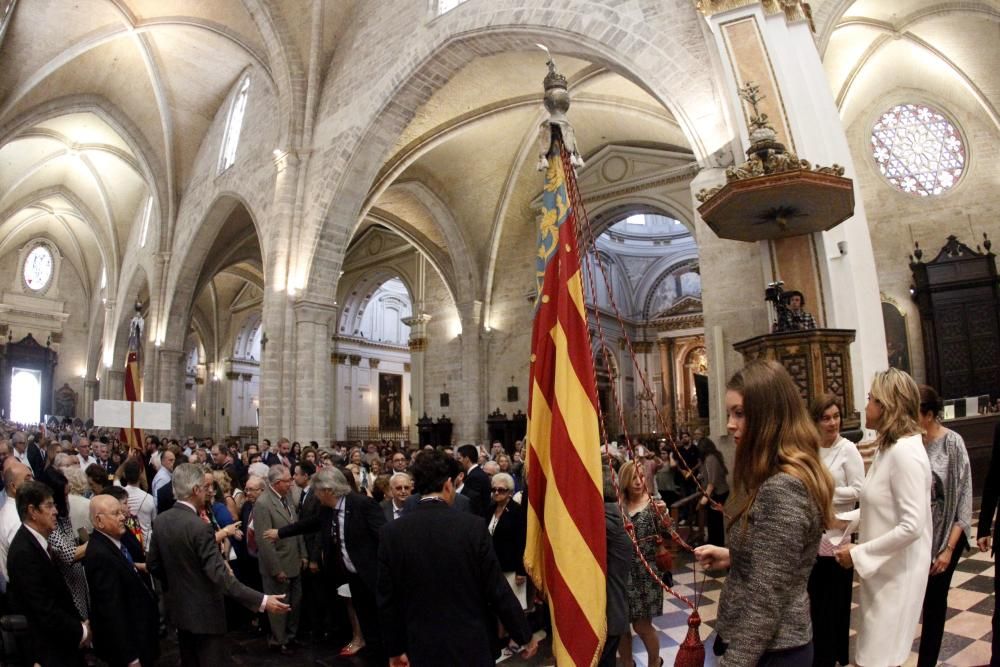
(405, 555)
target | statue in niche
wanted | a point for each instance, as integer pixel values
(65, 401)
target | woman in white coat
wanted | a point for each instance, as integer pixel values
(892, 557)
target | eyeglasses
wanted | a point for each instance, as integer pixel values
(499, 489)
(119, 514)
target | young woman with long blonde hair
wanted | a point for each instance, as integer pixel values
(782, 503)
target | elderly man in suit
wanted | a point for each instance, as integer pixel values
(37, 588)
(280, 564)
(183, 555)
(440, 588)
(400, 488)
(123, 610)
(348, 525)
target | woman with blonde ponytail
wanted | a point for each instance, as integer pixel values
(781, 506)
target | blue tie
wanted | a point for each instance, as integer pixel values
(127, 555)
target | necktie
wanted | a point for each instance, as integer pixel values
(395, 513)
(251, 535)
(127, 555)
(302, 501)
(284, 503)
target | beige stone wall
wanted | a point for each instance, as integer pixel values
(898, 219)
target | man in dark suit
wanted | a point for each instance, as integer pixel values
(348, 525)
(183, 555)
(440, 588)
(165, 498)
(123, 609)
(989, 531)
(283, 455)
(307, 505)
(477, 482)
(37, 588)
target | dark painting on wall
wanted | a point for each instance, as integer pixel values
(897, 347)
(390, 403)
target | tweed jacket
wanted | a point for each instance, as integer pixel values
(286, 555)
(764, 605)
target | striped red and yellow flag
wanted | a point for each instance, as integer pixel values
(566, 550)
(133, 385)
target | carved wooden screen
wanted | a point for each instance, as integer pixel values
(957, 294)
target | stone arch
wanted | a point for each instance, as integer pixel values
(359, 293)
(342, 182)
(189, 262)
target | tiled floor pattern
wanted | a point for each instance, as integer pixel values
(968, 630)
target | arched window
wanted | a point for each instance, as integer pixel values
(918, 150)
(146, 215)
(234, 124)
(445, 6)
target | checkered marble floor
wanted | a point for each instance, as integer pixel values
(967, 636)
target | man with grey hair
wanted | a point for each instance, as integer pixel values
(491, 468)
(280, 564)
(183, 555)
(349, 525)
(400, 488)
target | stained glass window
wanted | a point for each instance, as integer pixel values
(38, 268)
(918, 150)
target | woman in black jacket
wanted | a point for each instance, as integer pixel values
(508, 524)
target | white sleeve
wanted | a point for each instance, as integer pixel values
(854, 471)
(910, 486)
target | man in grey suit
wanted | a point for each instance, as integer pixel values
(281, 563)
(184, 556)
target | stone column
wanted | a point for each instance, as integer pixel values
(418, 344)
(470, 418)
(91, 389)
(313, 376)
(772, 45)
(666, 346)
(170, 386)
(113, 385)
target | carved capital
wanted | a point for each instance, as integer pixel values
(338, 358)
(418, 344)
(355, 359)
(373, 362)
(794, 10)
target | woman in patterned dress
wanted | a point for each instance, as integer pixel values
(65, 543)
(645, 597)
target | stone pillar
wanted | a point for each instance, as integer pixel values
(113, 385)
(772, 45)
(91, 389)
(418, 344)
(666, 346)
(313, 376)
(170, 386)
(470, 421)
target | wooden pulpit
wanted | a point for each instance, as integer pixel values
(819, 361)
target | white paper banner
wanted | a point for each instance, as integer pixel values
(126, 414)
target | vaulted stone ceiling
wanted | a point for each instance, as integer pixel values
(946, 50)
(103, 102)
